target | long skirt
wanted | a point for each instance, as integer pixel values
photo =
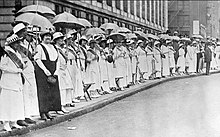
(181, 63)
(11, 105)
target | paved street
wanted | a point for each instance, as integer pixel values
(182, 108)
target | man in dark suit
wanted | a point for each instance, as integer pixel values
(208, 56)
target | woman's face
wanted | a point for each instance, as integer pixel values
(47, 38)
(60, 41)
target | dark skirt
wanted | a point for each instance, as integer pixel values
(48, 95)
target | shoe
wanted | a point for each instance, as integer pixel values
(43, 117)
(64, 110)
(21, 123)
(49, 116)
(70, 105)
(60, 112)
(16, 126)
(76, 101)
(29, 121)
(7, 127)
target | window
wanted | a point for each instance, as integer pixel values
(160, 12)
(148, 10)
(143, 9)
(109, 2)
(138, 8)
(59, 9)
(156, 11)
(152, 11)
(74, 12)
(100, 1)
(164, 14)
(78, 14)
(89, 17)
(132, 7)
(83, 14)
(117, 4)
(96, 20)
(125, 5)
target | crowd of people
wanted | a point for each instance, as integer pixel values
(48, 73)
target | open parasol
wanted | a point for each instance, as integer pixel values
(141, 35)
(37, 8)
(67, 20)
(121, 30)
(109, 26)
(116, 37)
(197, 36)
(152, 36)
(85, 22)
(35, 20)
(93, 31)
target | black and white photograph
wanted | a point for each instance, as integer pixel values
(109, 68)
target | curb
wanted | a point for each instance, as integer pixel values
(97, 105)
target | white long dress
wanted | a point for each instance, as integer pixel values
(191, 58)
(213, 64)
(120, 65)
(149, 51)
(65, 82)
(128, 66)
(92, 70)
(171, 57)
(11, 97)
(30, 88)
(142, 58)
(104, 72)
(165, 61)
(217, 50)
(133, 61)
(158, 61)
(181, 60)
(111, 71)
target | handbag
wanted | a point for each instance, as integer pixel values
(51, 79)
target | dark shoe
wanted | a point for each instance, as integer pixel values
(22, 123)
(49, 116)
(43, 116)
(70, 105)
(29, 121)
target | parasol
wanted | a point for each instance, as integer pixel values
(35, 20)
(109, 26)
(152, 36)
(141, 35)
(85, 22)
(67, 20)
(165, 37)
(197, 36)
(93, 31)
(37, 8)
(121, 30)
(116, 36)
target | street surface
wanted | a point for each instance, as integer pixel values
(182, 108)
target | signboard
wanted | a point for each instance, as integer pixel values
(196, 27)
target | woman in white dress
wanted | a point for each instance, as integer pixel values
(142, 58)
(65, 83)
(11, 83)
(181, 60)
(165, 61)
(213, 62)
(158, 60)
(150, 54)
(134, 60)
(92, 70)
(120, 65)
(191, 57)
(171, 59)
(217, 51)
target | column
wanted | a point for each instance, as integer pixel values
(135, 10)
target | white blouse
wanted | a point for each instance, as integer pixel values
(53, 55)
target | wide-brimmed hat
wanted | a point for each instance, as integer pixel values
(57, 35)
(130, 42)
(92, 41)
(12, 39)
(194, 42)
(168, 41)
(18, 27)
(218, 43)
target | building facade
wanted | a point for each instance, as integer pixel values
(150, 16)
(182, 14)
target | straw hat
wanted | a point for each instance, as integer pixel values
(139, 41)
(18, 27)
(109, 41)
(57, 35)
(13, 38)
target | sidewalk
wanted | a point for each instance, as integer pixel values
(86, 107)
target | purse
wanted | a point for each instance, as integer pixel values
(51, 79)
